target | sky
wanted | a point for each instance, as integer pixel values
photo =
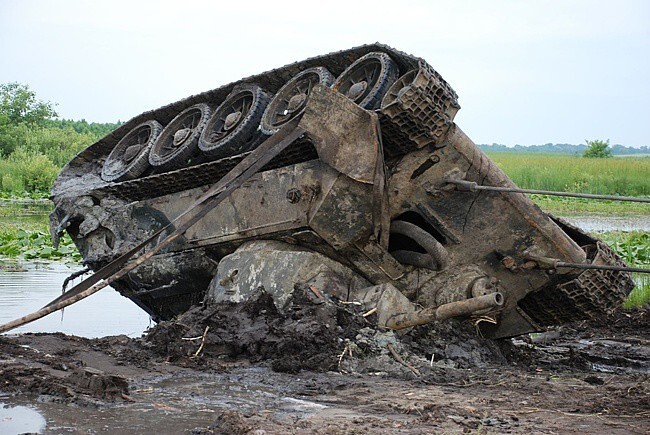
(526, 72)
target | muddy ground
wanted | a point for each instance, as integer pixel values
(324, 368)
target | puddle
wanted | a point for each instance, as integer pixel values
(104, 313)
(20, 420)
(248, 395)
(604, 368)
(176, 403)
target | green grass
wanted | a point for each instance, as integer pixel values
(613, 176)
(640, 296)
(634, 248)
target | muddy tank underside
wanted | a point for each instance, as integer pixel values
(367, 188)
(83, 174)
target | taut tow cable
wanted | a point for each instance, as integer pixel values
(471, 186)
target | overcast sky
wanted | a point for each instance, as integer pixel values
(526, 72)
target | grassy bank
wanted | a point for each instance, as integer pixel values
(613, 176)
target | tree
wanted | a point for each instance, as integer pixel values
(597, 149)
(18, 104)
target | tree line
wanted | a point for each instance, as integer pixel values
(564, 148)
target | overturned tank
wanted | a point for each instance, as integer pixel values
(358, 185)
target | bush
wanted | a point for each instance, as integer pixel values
(34, 155)
(59, 145)
(29, 171)
(12, 184)
(39, 173)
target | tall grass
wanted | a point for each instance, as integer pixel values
(634, 248)
(613, 176)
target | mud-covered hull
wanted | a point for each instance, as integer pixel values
(369, 189)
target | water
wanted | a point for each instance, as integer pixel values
(611, 223)
(25, 213)
(20, 419)
(173, 403)
(102, 314)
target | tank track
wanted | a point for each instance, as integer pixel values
(420, 114)
(593, 294)
(200, 175)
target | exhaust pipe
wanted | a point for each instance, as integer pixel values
(447, 311)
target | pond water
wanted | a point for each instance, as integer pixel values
(37, 283)
(27, 213)
(104, 313)
(611, 223)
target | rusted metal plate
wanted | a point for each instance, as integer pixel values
(344, 134)
(269, 202)
(344, 214)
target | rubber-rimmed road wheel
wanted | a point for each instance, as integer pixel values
(178, 142)
(130, 157)
(291, 99)
(233, 127)
(366, 81)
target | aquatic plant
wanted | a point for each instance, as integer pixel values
(35, 244)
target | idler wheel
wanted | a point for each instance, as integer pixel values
(233, 127)
(399, 88)
(130, 157)
(178, 142)
(366, 81)
(291, 99)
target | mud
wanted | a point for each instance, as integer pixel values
(307, 337)
(322, 367)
